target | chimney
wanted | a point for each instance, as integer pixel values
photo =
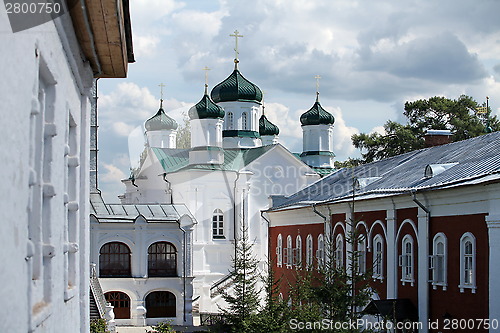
(437, 137)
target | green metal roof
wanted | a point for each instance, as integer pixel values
(236, 88)
(317, 116)
(160, 121)
(266, 127)
(206, 109)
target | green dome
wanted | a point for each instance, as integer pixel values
(160, 121)
(236, 88)
(206, 109)
(266, 127)
(317, 116)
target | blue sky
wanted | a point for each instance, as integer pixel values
(372, 57)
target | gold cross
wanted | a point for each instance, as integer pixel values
(236, 35)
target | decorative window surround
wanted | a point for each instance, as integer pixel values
(406, 260)
(378, 258)
(467, 263)
(279, 251)
(439, 261)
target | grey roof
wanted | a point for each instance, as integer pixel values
(123, 213)
(466, 162)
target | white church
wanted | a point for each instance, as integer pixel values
(166, 249)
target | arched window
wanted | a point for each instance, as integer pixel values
(297, 256)
(320, 253)
(160, 304)
(279, 251)
(439, 261)
(218, 224)
(361, 255)
(288, 252)
(378, 257)
(406, 260)
(244, 121)
(467, 262)
(309, 251)
(162, 260)
(339, 251)
(121, 303)
(229, 121)
(114, 260)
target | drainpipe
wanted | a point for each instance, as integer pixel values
(322, 216)
(268, 234)
(234, 211)
(169, 188)
(426, 259)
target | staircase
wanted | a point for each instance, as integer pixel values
(221, 285)
(94, 310)
(97, 299)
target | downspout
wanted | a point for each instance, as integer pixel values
(268, 234)
(428, 218)
(169, 188)
(234, 211)
(184, 250)
(321, 215)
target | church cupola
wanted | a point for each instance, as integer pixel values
(317, 131)
(161, 130)
(267, 130)
(207, 119)
(241, 99)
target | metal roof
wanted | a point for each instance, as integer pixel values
(123, 213)
(476, 158)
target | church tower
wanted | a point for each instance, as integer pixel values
(317, 131)
(267, 130)
(206, 131)
(161, 130)
(241, 99)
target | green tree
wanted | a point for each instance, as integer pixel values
(183, 140)
(243, 299)
(460, 116)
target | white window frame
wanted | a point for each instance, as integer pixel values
(378, 258)
(406, 260)
(471, 258)
(244, 121)
(320, 253)
(297, 258)
(218, 228)
(230, 121)
(339, 251)
(289, 252)
(309, 251)
(439, 261)
(361, 255)
(279, 251)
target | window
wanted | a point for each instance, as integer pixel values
(438, 261)
(160, 304)
(114, 260)
(406, 260)
(467, 262)
(279, 251)
(244, 121)
(162, 260)
(361, 255)
(320, 253)
(229, 121)
(218, 224)
(121, 303)
(378, 257)
(339, 251)
(288, 252)
(309, 251)
(297, 256)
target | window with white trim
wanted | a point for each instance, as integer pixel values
(361, 255)
(309, 251)
(244, 121)
(467, 262)
(378, 257)
(339, 251)
(218, 224)
(406, 260)
(288, 252)
(320, 253)
(229, 121)
(297, 256)
(438, 261)
(279, 251)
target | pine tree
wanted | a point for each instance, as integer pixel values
(243, 299)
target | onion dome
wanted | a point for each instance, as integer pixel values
(317, 116)
(160, 121)
(206, 109)
(236, 88)
(266, 127)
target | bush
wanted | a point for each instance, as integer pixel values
(163, 327)
(98, 326)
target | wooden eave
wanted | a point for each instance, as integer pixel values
(103, 30)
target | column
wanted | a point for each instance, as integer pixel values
(392, 273)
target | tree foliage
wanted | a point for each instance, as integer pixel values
(183, 139)
(460, 116)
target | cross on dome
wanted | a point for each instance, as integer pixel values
(317, 77)
(236, 35)
(161, 85)
(206, 69)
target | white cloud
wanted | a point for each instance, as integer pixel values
(111, 174)
(145, 45)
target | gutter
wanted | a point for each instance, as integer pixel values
(83, 8)
(169, 188)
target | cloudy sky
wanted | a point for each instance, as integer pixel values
(372, 57)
